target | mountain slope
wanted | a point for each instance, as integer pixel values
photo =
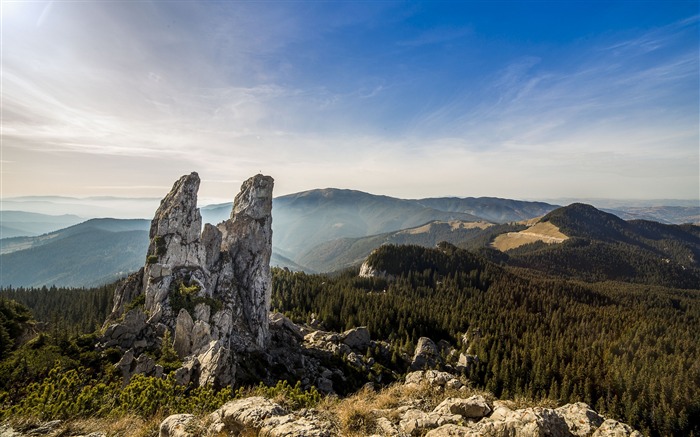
(345, 252)
(21, 223)
(601, 246)
(493, 209)
(90, 253)
(9, 245)
(303, 220)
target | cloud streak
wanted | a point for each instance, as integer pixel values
(235, 88)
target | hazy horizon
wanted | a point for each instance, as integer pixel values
(520, 100)
(145, 207)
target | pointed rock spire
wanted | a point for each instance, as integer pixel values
(247, 236)
(175, 241)
(210, 289)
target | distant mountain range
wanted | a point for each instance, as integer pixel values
(316, 231)
(672, 215)
(95, 252)
(313, 218)
(343, 252)
(20, 223)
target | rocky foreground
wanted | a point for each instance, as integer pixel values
(408, 411)
(428, 403)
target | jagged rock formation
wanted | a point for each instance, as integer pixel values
(209, 289)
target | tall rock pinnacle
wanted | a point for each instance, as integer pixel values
(175, 241)
(247, 236)
(209, 288)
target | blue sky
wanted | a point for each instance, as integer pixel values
(409, 99)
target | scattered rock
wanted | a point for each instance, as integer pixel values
(434, 378)
(416, 422)
(45, 428)
(452, 430)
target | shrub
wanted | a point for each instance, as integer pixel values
(283, 393)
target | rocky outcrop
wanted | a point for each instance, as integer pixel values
(241, 416)
(176, 425)
(469, 416)
(571, 420)
(210, 289)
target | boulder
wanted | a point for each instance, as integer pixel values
(451, 430)
(433, 378)
(241, 414)
(176, 426)
(474, 407)
(357, 339)
(308, 423)
(580, 418)
(278, 320)
(426, 354)
(415, 422)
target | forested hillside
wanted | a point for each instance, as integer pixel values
(604, 247)
(630, 350)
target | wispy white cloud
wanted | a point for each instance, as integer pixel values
(225, 90)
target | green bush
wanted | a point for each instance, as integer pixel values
(293, 398)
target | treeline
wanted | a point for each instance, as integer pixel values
(595, 261)
(65, 312)
(629, 350)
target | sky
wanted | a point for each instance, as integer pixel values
(515, 99)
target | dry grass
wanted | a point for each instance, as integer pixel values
(542, 231)
(123, 426)
(520, 402)
(357, 414)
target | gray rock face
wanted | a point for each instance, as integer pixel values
(426, 354)
(247, 236)
(210, 289)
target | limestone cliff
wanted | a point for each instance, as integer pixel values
(209, 289)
